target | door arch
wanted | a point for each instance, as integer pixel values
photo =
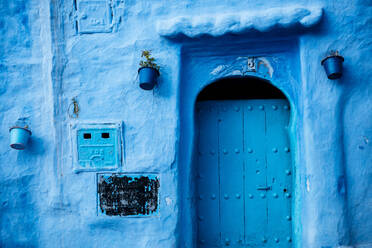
(243, 165)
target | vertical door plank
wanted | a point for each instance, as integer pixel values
(207, 195)
(278, 173)
(255, 174)
(231, 173)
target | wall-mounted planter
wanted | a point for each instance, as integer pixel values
(19, 137)
(148, 77)
(333, 66)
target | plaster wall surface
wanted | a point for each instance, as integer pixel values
(45, 62)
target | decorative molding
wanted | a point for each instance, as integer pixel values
(239, 23)
(262, 67)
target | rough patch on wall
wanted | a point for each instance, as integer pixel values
(126, 195)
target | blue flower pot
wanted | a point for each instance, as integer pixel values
(333, 66)
(148, 77)
(19, 137)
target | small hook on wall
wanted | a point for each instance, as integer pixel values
(73, 108)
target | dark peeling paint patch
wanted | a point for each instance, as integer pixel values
(124, 195)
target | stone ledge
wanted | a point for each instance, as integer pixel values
(239, 23)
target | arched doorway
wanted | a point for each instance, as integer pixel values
(244, 170)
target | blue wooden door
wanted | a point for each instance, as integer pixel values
(244, 177)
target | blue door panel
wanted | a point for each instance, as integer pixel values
(231, 173)
(207, 177)
(243, 176)
(278, 166)
(255, 176)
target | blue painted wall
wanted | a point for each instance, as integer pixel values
(46, 60)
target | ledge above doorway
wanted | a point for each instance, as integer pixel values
(215, 25)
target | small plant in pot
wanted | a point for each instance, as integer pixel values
(148, 71)
(333, 65)
(19, 134)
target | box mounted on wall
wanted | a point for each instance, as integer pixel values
(97, 16)
(93, 16)
(96, 146)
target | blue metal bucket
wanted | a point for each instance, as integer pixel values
(148, 77)
(333, 66)
(19, 137)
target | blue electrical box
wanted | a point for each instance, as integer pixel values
(98, 147)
